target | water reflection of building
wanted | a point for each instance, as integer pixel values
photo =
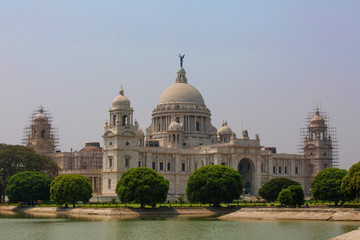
(181, 139)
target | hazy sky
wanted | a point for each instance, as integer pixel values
(260, 65)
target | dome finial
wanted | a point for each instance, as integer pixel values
(121, 91)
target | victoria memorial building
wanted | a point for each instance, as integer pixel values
(181, 139)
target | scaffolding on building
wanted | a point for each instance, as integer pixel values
(331, 132)
(53, 130)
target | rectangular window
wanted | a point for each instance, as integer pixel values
(195, 166)
(262, 168)
(279, 170)
(223, 164)
(153, 165)
(183, 167)
(296, 170)
(110, 162)
(161, 166)
(109, 183)
(126, 162)
(285, 170)
(274, 170)
(139, 165)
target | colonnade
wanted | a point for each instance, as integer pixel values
(191, 123)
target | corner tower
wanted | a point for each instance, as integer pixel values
(122, 140)
(318, 145)
(40, 135)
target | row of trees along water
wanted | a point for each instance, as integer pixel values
(27, 177)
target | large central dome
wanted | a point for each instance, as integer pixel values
(181, 93)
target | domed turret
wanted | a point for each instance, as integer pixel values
(225, 133)
(175, 126)
(317, 120)
(121, 101)
(41, 116)
(225, 130)
(140, 131)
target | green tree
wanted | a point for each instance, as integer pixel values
(326, 185)
(297, 195)
(28, 186)
(292, 195)
(15, 159)
(70, 188)
(270, 190)
(214, 184)
(285, 197)
(142, 185)
(350, 185)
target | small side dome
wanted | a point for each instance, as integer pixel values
(41, 116)
(121, 101)
(140, 131)
(175, 126)
(225, 130)
(317, 120)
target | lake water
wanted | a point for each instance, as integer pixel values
(16, 226)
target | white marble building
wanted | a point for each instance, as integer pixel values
(181, 139)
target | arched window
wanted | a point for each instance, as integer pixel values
(124, 120)
(114, 120)
(197, 126)
(43, 133)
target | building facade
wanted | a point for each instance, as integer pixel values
(181, 139)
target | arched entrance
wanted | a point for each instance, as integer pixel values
(246, 169)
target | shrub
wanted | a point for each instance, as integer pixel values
(292, 195)
(214, 184)
(350, 185)
(270, 190)
(70, 188)
(142, 185)
(28, 186)
(285, 197)
(326, 185)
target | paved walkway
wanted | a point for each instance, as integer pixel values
(353, 235)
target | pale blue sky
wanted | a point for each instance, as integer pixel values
(260, 65)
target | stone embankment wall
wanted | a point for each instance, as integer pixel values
(122, 212)
(322, 214)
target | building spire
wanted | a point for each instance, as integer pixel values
(121, 91)
(181, 59)
(181, 74)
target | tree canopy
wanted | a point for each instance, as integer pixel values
(70, 188)
(285, 197)
(326, 185)
(291, 196)
(15, 159)
(350, 185)
(142, 185)
(270, 190)
(28, 186)
(214, 184)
